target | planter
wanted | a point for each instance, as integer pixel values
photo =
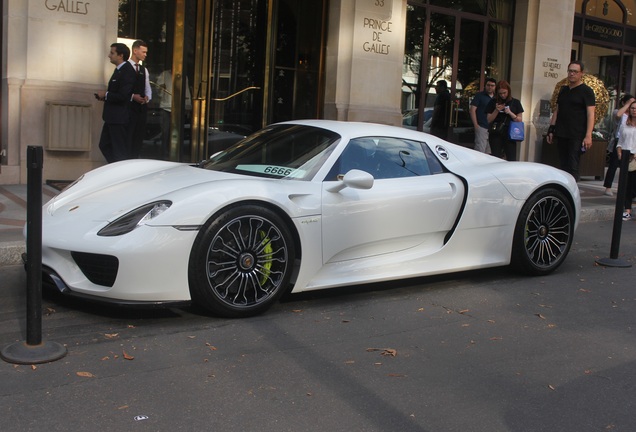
(592, 162)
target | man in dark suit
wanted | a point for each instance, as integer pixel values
(114, 139)
(141, 95)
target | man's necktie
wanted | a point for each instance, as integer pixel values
(137, 67)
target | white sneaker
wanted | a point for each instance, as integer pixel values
(608, 192)
(627, 216)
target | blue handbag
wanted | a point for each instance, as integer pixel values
(516, 131)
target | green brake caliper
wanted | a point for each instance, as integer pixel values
(267, 265)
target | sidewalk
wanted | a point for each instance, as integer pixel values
(13, 209)
(595, 207)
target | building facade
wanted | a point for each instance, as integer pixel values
(222, 69)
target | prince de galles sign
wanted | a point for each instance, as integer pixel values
(67, 6)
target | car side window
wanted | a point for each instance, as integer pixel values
(386, 158)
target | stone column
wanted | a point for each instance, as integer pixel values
(56, 52)
(365, 51)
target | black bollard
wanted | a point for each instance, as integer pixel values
(34, 245)
(613, 260)
(34, 350)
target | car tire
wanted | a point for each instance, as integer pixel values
(241, 262)
(543, 233)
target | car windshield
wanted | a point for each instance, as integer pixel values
(278, 151)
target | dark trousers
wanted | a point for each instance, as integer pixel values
(500, 144)
(570, 154)
(612, 166)
(137, 128)
(114, 142)
(629, 190)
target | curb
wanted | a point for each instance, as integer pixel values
(597, 214)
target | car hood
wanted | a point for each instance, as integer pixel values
(107, 192)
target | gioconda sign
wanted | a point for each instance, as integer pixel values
(67, 6)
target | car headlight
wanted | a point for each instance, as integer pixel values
(130, 221)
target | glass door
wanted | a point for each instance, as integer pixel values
(455, 56)
(265, 66)
(238, 61)
(460, 48)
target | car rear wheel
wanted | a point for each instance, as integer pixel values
(543, 234)
(241, 262)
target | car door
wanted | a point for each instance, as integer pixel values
(412, 203)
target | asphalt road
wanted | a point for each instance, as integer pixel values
(478, 351)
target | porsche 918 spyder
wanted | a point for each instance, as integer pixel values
(300, 206)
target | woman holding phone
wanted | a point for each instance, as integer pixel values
(503, 109)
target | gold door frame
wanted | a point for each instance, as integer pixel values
(201, 94)
(178, 53)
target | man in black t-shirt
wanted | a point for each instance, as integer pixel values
(573, 120)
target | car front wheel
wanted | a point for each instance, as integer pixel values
(543, 233)
(241, 262)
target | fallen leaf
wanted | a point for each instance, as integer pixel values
(297, 310)
(127, 356)
(191, 337)
(465, 325)
(345, 321)
(33, 367)
(395, 375)
(105, 358)
(540, 316)
(463, 311)
(588, 372)
(49, 311)
(551, 387)
(85, 374)
(212, 347)
(123, 407)
(350, 362)
(111, 335)
(491, 321)
(131, 326)
(584, 290)
(385, 351)
(420, 310)
(496, 338)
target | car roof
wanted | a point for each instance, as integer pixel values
(363, 129)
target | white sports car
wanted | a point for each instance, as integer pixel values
(300, 206)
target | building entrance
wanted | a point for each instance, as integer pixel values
(223, 69)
